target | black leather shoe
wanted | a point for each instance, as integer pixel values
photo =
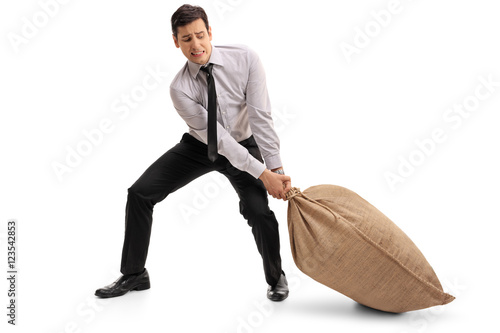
(280, 291)
(124, 284)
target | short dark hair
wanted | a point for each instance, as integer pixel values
(186, 14)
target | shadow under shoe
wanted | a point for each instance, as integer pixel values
(124, 284)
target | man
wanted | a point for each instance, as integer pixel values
(221, 94)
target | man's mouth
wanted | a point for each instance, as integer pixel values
(197, 54)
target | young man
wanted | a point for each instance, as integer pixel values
(221, 94)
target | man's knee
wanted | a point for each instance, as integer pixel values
(141, 192)
(135, 192)
(256, 211)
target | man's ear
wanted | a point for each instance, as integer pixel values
(175, 41)
(210, 33)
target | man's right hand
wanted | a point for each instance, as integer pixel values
(277, 185)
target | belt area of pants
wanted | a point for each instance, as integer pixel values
(191, 139)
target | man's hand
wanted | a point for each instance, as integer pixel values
(277, 185)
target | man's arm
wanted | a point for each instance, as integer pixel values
(259, 112)
(195, 117)
(261, 123)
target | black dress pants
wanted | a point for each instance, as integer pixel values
(180, 165)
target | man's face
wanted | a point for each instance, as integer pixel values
(194, 41)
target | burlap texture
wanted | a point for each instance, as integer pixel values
(342, 241)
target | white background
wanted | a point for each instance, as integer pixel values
(340, 122)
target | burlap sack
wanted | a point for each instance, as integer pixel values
(342, 241)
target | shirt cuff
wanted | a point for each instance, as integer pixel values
(273, 162)
(256, 169)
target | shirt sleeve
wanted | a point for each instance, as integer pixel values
(195, 116)
(259, 113)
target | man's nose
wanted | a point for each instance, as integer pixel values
(196, 43)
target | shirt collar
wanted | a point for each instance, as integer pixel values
(215, 58)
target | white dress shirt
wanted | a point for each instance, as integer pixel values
(243, 106)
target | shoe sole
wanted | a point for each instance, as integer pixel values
(278, 297)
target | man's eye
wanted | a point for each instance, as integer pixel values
(187, 40)
(200, 37)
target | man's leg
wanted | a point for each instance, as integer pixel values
(254, 206)
(177, 167)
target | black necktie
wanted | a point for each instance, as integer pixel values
(212, 114)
